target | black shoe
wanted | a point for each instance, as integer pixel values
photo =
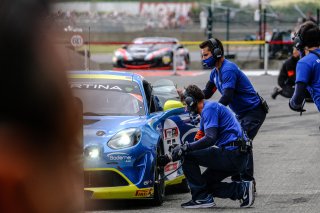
(247, 199)
(196, 204)
(275, 93)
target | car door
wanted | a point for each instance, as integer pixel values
(177, 126)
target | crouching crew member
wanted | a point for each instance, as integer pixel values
(307, 41)
(223, 151)
(237, 92)
(287, 78)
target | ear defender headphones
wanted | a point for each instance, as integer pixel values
(310, 38)
(216, 51)
(191, 103)
(298, 42)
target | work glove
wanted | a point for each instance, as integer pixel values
(179, 151)
(163, 160)
(200, 134)
(297, 108)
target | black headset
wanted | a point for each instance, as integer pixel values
(298, 42)
(191, 102)
(216, 51)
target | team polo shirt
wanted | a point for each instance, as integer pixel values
(229, 75)
(217, 115)
(308, 72)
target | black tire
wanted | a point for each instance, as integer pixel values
(159, 185)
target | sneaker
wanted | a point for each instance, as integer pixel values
(247, 199)
(195, 204)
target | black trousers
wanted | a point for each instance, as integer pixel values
(220, 164)
(250, 123)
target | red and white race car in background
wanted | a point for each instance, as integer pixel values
(152, 53)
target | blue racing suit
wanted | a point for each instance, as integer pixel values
(308, 77)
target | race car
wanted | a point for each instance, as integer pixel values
(128, 125)
(152, 53)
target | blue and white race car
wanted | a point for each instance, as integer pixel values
(128, 124)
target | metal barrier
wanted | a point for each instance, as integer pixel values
(174, 65)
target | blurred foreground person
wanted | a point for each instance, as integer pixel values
(307, 41)
(40, 168)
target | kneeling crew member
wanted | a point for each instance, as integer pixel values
(223, 150)
(287, 78)
(307, 41)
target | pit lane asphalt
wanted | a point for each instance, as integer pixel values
(286, 154)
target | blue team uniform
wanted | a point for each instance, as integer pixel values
(216, 115)
(308, 72)
(221, 160)
(245, 103)
(230, 76)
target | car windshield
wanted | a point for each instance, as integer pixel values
(165, 90)
(154, 46)
(154, 42)
(118, 98)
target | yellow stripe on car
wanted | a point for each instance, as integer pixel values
(255, 42)
(119, 192)
(175, 181)
(101, 76)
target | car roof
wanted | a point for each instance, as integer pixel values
(106, 74)
(156, 39)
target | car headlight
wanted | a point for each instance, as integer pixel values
(166, 59)
(125, 138)
(92, 152)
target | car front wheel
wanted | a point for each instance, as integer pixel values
(159, 183)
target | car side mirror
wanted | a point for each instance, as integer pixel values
(172, 104)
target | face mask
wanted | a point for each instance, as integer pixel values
(208, 63)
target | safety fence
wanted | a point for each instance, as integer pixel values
(261, 47)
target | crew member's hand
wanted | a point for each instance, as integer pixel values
(179, 151)
(163, 160)
(295, 107)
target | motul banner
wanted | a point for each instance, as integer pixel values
(163, 8)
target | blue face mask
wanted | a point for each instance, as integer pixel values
(208, 63)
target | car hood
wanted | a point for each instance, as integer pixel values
(110, 124)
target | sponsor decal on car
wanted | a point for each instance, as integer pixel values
(147, 182)
(144, 192)
(120, 156)
(171, 167)
(171, 132)
(95, 86)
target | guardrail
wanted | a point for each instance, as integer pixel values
(233, 42)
